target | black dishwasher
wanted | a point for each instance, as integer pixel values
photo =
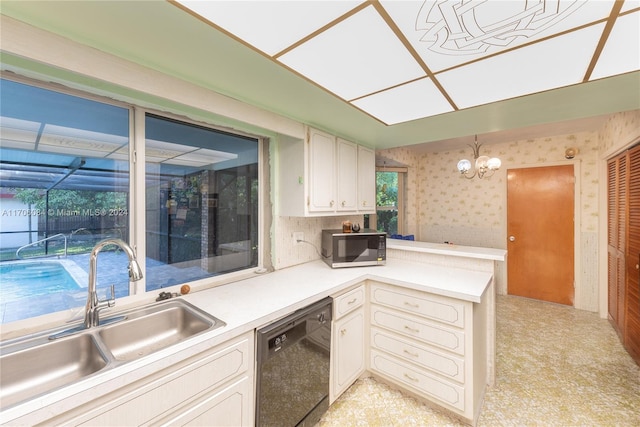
(293, 368)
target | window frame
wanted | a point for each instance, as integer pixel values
(137, 218)
(402, 176)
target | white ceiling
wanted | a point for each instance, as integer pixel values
(383, 73)
(405, 60)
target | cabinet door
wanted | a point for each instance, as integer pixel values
(348, 352)
(232, 406)
(347, 173)
(366, 180)
(321, 172)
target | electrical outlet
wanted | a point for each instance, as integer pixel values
(298, 236)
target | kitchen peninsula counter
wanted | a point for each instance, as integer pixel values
(447, 249)
(254, 302)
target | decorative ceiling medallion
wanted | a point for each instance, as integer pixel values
(463, 27)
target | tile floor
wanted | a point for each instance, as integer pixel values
(556, 366)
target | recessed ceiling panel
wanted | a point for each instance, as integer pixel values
(79, 142)
(407, 102)
(356, 57)
(621, 53)
(17, 133)
(270, 26)
(448, 33)
(551, 64)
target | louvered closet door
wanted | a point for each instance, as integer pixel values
(616, 238)
(632, 295)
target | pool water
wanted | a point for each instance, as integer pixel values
(35, 278)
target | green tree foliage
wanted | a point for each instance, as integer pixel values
(72, 199)
(387, 201)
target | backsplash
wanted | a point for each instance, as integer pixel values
(288, 254)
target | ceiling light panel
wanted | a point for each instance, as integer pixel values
(449, 33)
(551, 64)
(630, 4)
(17, 133)
(621, 53)
(79, 142)
(270, 26)
(407, 102)
(356, 57)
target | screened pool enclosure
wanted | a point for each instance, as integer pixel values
(74, 172)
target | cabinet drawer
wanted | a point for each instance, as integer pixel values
(434, 307)
(348, 302)
(441, 363)
(415, 378)
(429, 332)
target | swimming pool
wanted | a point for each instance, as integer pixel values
(24, 279)
(31, 288)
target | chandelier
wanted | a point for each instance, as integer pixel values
(484, 166)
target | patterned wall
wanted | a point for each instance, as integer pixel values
(618, 132)
(446, 201)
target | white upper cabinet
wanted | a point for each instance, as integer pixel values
(366, 180)
(322, 160)
(347, 173)
(324, 176)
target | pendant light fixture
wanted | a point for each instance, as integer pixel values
(484, 166)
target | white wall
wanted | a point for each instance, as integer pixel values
(15, 216)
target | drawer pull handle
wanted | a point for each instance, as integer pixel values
(414, 379)
(410, 329)
(412, 305)
(352, 301)
(410, 353)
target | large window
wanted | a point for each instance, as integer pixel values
(201, 202)
(66, 184)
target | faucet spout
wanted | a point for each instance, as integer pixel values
(93, 306)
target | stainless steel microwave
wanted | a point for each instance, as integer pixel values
(366, 247)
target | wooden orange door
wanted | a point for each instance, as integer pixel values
(540, 233)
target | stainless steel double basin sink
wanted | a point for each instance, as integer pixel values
(34, 365)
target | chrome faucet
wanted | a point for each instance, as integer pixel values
(94, 305)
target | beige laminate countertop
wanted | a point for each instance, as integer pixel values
(249, 304)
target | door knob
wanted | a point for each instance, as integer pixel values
(512, 238)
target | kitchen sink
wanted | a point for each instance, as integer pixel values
(154, 328)
(46, 365)
(37, 364)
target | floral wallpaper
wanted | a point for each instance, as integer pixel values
(618, 132)
(446, 200)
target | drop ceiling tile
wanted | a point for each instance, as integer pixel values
(630, 4)
(356, 57)
(79, 142)
(17, 133)
(448, 33)
(551, 64)
(621, 53)
(270, 26)
(411, 101)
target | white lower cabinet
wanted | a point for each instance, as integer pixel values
(348, 341)
(214, 387)
(433, 346)
(228, 407)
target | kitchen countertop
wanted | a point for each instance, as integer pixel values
(448, 249)
(249, 304)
